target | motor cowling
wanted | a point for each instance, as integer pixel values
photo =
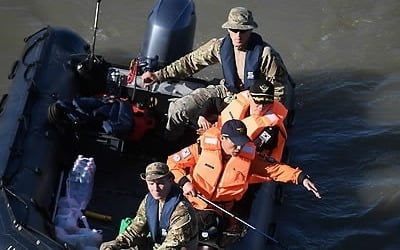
(169, 35)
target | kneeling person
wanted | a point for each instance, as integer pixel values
(164, 213)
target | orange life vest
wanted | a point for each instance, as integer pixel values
(255, 127)
(217, 181)
(239, 109)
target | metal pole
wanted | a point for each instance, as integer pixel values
(96, 18)
(58, 195)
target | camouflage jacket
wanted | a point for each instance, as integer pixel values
(272, 66)
(182, 233)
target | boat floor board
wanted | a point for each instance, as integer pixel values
(118, 188)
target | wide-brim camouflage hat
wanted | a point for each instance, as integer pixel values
(155, 170)
(240, 18)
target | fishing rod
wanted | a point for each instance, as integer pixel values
(242, 221)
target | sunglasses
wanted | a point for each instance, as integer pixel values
(262, 100)
(238, 31)
(263, 103)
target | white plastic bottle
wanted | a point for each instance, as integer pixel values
(80, 181)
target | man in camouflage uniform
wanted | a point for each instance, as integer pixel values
(164, 220)
(244, 56)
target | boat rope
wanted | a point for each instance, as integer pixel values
(33, 45)
(28, 69)
(18, 198)
(11, 75)
(3, 102)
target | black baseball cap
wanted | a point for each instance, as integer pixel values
(236, 131)
(262, 91)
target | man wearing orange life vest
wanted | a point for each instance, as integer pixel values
(222, 164)
(263, 116)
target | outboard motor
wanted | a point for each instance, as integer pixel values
(170, 33)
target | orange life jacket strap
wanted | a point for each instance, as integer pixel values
(238, 108)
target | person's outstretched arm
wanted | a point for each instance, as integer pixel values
(205, 55)
(269, 169)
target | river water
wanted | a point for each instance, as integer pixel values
(345, 58)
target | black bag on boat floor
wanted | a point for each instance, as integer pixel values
(108, 114)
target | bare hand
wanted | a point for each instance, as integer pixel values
(203, 123)
(200, 131)
(149, 78)
(309, 185)
(188, 189)
(110, 245)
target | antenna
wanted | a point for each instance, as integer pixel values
(96, 19)
(94, 69)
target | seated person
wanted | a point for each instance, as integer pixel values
(264, 117)
(164, 214)
(243, 55)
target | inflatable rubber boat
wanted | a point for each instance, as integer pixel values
(38, 147)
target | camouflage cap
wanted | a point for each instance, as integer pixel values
(155, 170)
(240, 18)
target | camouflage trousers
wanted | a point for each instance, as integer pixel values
(113, 245)
(186, 108)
